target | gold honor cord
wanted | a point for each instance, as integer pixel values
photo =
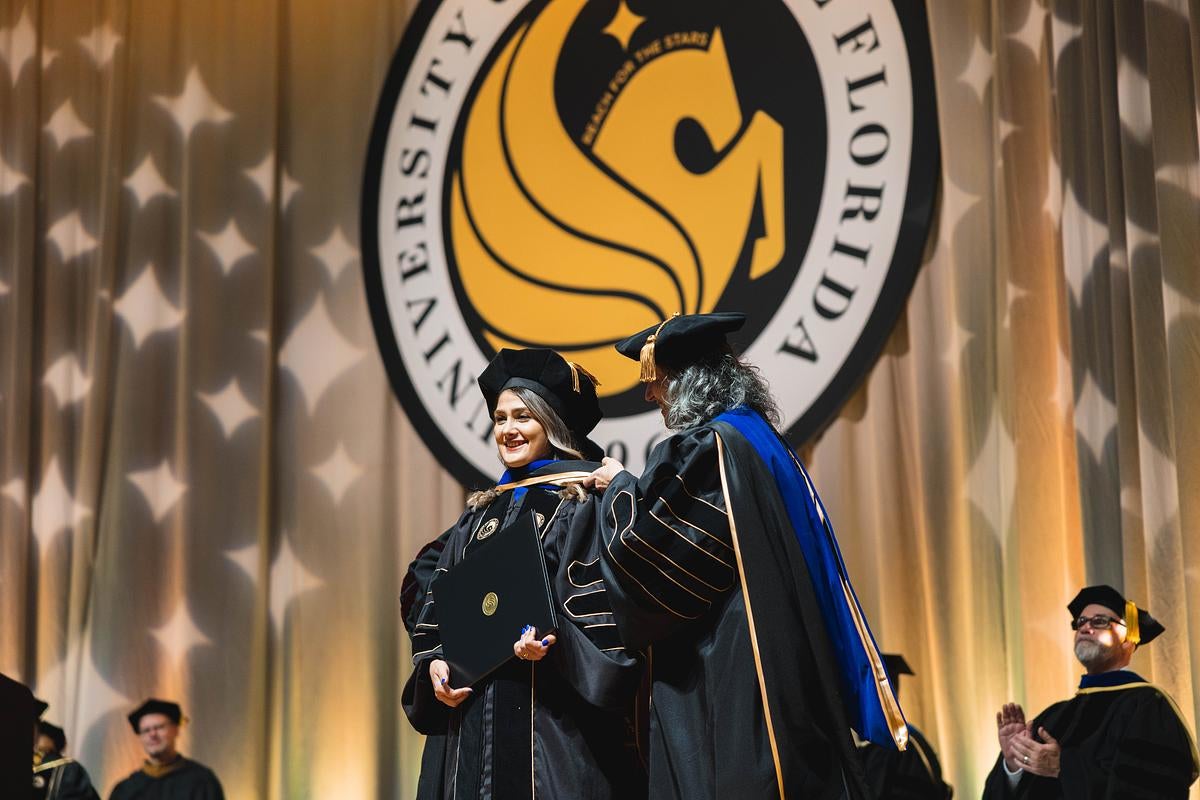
(49, 765)
(762, 683)
(1170, 701)
(883, 687)
(558, 477)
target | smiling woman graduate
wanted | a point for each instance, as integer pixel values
(551, 722)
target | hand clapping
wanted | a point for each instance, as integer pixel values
(1040, 759)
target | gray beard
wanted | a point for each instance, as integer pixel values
(1089, 653)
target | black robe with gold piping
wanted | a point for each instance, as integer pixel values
(59, 778)
(1123, 742)
(912, 774)
(413, 591)
(560, 727)
(184, 780)
(676, 587)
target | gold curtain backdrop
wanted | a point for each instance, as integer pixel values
(208, 491)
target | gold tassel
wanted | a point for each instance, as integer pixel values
(1133, 631)
(647, 361)
(649, 374)
(575, 370)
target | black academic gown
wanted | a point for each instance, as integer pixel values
(912, 774)
(560, 727)
(1118, 743)
(676, 588)
(59, 778)
(187, 781)
(413, 592)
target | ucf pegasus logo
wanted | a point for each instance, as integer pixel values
(563, 173)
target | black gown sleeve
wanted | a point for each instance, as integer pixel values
(427, 714)
(667, 552)
(588, 654)
(416, 580)
(1153, 756)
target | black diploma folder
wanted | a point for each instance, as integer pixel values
(485, 600)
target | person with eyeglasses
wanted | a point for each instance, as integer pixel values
(1120, 736)
(165, 774)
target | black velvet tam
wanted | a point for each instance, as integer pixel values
(1114, 601)
(569, 389)
(54, 733)
(168, 709)
(685, 339)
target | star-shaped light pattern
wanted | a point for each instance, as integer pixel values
(15, 490)
(1133, 92)
(49, 56)
(10, 178)
(959, 338)
(315, 353)
(957, 202)
(1064, 384)
(978, 71)
(260, 335)
(335, 253)
(992, 478)
(337, 473)
(70, 237)
(623, 24)
(179, 635)
(145, 309)
(100, 44)
(1095, 417)
(1032, 30)
(97, 698)
(263, 177)
(228, 245)
(159, 487)
(147, 183)
(1083, 238)
(66, 381)
(65, 126)
(1014, 295)
(230, 407)
(18, 44)
(54, 507)
(3, 288)
(194, 105)
(288, 580)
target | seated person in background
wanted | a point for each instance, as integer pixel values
(165, 775)
(1119, 737)
(56, 777)
(912, 774)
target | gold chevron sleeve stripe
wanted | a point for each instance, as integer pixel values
(762, 683)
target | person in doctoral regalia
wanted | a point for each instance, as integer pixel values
(165, 774)
(910, 774)
(720, 559)
(554, 721)
(56, 776)
(413, 591)
(1120, 736)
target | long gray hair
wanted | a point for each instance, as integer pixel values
(561, 439)
(713, 385)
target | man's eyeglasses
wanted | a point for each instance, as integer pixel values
(1099, 622)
